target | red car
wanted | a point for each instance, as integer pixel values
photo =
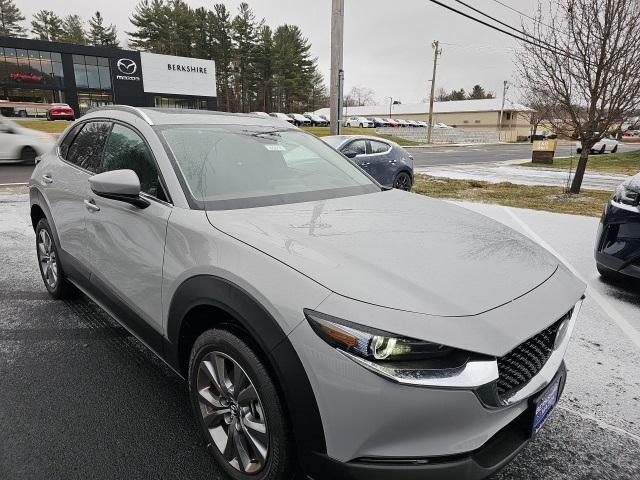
(60, 111)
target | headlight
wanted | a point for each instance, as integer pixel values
(371, 344)
(624, 195)
(404, 360)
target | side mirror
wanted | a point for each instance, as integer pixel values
(121, 185)
(350, 154)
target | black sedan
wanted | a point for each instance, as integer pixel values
(618, 245)
(386, 161)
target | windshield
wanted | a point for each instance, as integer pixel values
(233, 166)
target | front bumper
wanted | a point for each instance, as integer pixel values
(478, 464)
(618, 239)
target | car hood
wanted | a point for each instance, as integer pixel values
(397, 250)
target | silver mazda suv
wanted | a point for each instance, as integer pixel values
(324, 324)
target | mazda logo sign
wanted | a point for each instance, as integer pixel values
(127, 66)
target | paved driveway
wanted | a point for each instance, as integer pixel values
(80, 398)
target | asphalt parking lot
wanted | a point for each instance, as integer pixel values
(81, 398)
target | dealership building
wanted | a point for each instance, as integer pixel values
(39, 72)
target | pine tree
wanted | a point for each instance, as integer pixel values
(264, 69)
(220, 34)
(101, 36)
(245, 35)
(73, 30)
(10, 18)
(293, 68)
(46, 25)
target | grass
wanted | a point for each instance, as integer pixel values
(56, 126)
(627, 163)
(324, 131)
(550, 199)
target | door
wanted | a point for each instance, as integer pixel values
(382, 163)
(10, 142)
(64, 183)
(126, 243)
(356, 150)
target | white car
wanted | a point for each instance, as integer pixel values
(282, 116)
(261, 114)
(607, 145)
(441, 125)
(19, 144)
(361, 122)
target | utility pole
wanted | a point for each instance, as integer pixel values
(436, 52)
(337, 73)
(504, 95)
(390, 106)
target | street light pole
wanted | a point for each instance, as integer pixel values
(390, 106)
(436, 51)
(504, 94)
(337, 29)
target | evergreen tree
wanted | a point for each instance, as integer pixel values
(46, 25)
(101, 36)
(264, 69)
(73, 30)
(220, 34)
(151, 22)
(245, 36)
(10, 18)
(293, 68)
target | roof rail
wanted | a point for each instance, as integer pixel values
(124, 108)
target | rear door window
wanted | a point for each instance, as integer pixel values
(379, 147)
(86, 149)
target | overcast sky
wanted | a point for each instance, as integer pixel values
(387, 43)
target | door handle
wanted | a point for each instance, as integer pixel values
(47, 178)
(91, 206)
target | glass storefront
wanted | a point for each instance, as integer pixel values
(92, 72)
(176, 102)
(88, 99)
(30, 68)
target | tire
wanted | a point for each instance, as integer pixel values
(28, 155)
(361, 125)
(603, 150)
(578, 150)
(51, 270)
(615, 149)
(49, 117)
(260, 407)
(403, 182)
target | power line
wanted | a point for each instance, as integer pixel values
(524, 15)
(537, 43)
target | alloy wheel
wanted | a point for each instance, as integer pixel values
(232, 412)
(48, 259)
(403, 182)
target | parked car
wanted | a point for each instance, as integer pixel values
(386, 161)
(300, 120)
(326, 118)
(402, 123)
(316, 120)
(19, 144)
(361, 122)
(321, 322)
(441, 125)
(422, 124)
(379, 122)
(392, 123)
(281, 116)
(618, 241)
(60, 111)
(607, 144)
(262, 114)
(544, 135)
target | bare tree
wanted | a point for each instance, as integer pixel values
(586, 61)
(544, 110)
(360, 96)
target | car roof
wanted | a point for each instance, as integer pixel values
(179, 116)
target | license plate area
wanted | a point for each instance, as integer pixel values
(543, 404)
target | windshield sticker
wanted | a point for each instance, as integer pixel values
(275, 148)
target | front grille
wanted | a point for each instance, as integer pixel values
(524, 362)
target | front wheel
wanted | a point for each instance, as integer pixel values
(615, 149)
(603, 150)
(239, 410)
(28, 155)
(403, 181)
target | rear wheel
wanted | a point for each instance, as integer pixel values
(615, 149)
(238, 408)
(402, 181)
(28, 155)
(603, 150)
(49, 262)
(361, 125)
